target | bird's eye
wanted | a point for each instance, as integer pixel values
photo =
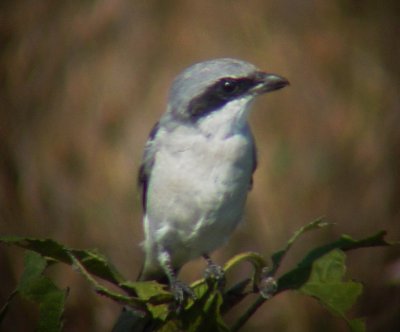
(229, 86)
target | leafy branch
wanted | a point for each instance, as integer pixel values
(319, 274)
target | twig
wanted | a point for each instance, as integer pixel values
(100, 289)
(249, 312)
(4, 309)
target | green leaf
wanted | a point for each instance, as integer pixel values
(36, 287)
(34, 266)
(93, 261)
(154, 295)
(295, 278)
(51, 308)
(356, 325)
(278, 256)
(89, 263)
(45, 247)
(100, 289)
(98, 265)
(239, 291)
(149, 291)
(327, 285)
(151, 298)
(200, 288)
(298, 276)
(204, 314)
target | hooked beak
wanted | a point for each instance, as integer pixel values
(269, 82)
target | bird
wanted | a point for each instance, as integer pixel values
(198, 165)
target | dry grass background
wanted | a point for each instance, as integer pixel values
(82, 82)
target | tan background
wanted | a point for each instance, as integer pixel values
(82, 82)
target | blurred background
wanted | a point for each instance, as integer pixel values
(82, 83)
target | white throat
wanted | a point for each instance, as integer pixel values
(228, 120)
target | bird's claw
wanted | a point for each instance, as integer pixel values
(181, 293)
(214, 271)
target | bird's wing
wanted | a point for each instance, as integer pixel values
(147, 164)
(254, 160)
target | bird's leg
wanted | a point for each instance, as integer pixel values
(178, 288)
(214, 271)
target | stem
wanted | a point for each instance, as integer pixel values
(100, 289)
(249, 312)
(4, 309)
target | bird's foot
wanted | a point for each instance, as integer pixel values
(214, 272)
(181, 293)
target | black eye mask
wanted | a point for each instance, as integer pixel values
(217, 95)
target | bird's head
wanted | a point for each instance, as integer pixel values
(215, 95)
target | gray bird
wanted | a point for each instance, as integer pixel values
(198, 164)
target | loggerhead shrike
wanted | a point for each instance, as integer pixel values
(198, 164)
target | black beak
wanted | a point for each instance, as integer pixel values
(269, 82)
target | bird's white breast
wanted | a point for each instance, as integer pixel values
(197, 189)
